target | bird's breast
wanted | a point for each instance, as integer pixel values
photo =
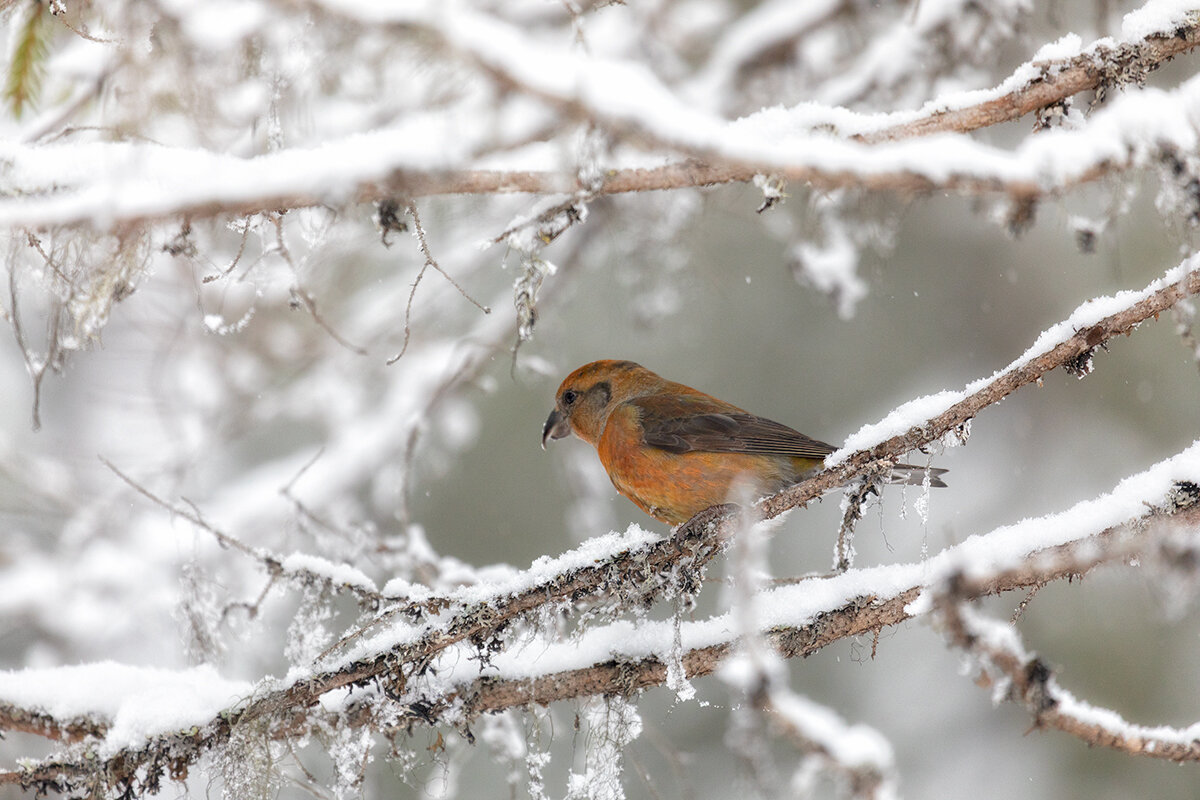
(675, 486)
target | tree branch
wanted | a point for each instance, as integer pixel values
(1073, 353)
(1120, 544)
(24, 720)
(646, 570)
(1031, 683)
(712, 151)
(856, 616)
(1099, 65)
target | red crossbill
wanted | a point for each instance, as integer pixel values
(675, 451)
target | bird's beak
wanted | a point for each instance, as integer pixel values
(556, 427)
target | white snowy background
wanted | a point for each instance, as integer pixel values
(202, 306)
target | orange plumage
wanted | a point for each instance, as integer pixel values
(675, 451)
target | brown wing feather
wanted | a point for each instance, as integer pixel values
(692, 424)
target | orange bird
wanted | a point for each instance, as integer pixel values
(675, 451)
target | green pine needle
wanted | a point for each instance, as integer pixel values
(28, 61)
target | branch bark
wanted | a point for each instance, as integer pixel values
(1074, 354)
(697, 164)
(1099, 66)
(24, 720)
(860, 616)
(638, 574)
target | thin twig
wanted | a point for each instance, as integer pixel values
(193, 516)
(1058, 80)
(273, 564)
(483, 624)
(430, 261)
(300, 294)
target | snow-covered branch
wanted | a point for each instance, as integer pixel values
(797, 620)
(298, 531)
(811, 615)
(114, 185)
(1022, 677)
(416, 658)
(1049, 80)
(1070, 345)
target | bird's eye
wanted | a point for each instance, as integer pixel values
(570, 396)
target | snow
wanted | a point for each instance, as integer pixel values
(1156, 18)
(138, 702)
(141, 702)
(219, 25)
(899, 420)
(977, 557)
(1004, 548)
(545, 568)
(612, 723)
(754, 33)
(1071, 706)
(103, 182)
(485, 586)
(832, 268)
(855, 746)
(1065, 47)
(994, 635)
(917, 412)
(126, 179)
(335, 573)
(84, 59)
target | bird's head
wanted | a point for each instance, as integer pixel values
(587, 396)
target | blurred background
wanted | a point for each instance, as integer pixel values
(211, 382)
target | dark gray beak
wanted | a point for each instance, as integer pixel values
(556, 427)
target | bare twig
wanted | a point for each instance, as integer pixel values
(430, 261)
(35, 365)
(637, 574)
(271, 563)
(300, 295)
(274, 565)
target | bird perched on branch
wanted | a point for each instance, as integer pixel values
(675, 451)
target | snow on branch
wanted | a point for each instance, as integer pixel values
(859, 754)
(614, 659)
(803, 618)
(1070, 345)
(451, 661)
(1052, 76)
(301, 568)
(1023, 678)
(114, 184)
(800, 619)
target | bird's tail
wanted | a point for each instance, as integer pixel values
(912, 475)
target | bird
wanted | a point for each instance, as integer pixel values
(675, 451)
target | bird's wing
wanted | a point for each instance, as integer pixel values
(682, 424)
